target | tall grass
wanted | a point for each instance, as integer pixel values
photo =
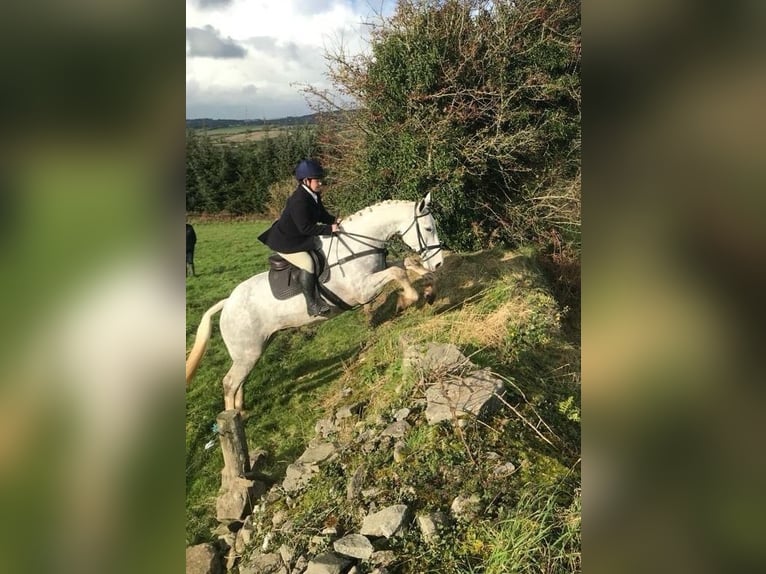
(540, 536)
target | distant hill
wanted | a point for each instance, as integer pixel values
(211, 124)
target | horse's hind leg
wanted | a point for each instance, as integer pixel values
(233, 392)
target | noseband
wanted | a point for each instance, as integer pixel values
(423, 247)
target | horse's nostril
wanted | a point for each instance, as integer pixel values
(438, 265)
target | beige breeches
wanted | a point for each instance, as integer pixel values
(301, 259)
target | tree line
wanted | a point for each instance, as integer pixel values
(235, 178)
(211, 124)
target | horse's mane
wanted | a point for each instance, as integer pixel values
(370, 208)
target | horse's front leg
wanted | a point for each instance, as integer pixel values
(374, 284)
(429, 290)
(411, 264)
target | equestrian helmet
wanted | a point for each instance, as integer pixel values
(309, 169)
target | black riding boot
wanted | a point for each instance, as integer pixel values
(314, 304)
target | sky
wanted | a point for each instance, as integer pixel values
(245, 57)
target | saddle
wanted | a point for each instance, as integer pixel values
(283, 275)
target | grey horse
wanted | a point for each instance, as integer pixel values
(251, 314)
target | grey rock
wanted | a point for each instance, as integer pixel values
(383, 557)
(317, 454)
(355, 546)
(365, 436)
(349, 411)
(386, 522)
(236, 501)
(475, 394)
(328, 563)
(273, 495)
(288, 526)
(430, 524)
(243, 538)
(397, 429)
(203, 559)
(434, 357)
(401, 414)
(298, 476)
(263, 564)
(466, 508)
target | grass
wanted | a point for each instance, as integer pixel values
(539, 536)
(496, 307)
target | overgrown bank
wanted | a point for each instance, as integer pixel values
(497, 309)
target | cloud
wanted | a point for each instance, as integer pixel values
(207, 43)
(285, 43)
(312, 7)
(245, 102)
(212, 4)
(288, 56)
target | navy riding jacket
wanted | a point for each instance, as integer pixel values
(301, 221)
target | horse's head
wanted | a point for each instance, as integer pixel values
(421, 235)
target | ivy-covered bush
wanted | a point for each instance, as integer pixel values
(477, 101)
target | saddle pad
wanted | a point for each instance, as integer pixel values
(284, 284)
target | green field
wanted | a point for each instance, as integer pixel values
(239, 134)
(497, 309)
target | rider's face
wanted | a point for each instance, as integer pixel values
(315, 184)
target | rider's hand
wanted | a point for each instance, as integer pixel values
(334, 227)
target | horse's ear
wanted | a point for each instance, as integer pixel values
(425, 202)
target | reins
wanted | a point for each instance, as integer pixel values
(423, 247)
(375, 250)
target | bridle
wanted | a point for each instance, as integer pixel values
(374, 249)
(423, 247)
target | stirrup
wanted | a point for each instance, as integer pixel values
(317, 307)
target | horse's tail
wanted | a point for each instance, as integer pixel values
(201, 339)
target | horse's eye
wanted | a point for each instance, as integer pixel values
(429, 229)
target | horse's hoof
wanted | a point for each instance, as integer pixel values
(428, 294)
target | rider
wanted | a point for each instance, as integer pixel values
(296, 231)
